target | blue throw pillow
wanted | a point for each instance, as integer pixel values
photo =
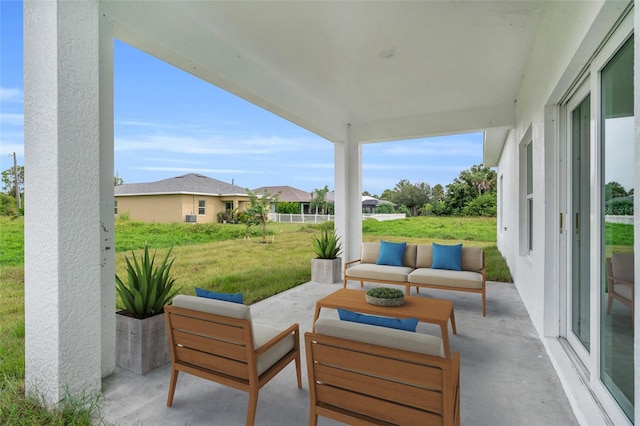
(447, 257)
(408, 324)
(227, 297)
(391, 254)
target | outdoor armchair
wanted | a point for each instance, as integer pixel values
(217, 340)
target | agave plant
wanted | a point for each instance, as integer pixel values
(328, 246)
(148, 287)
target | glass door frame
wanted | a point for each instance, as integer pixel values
(567, 205)
(588, 84)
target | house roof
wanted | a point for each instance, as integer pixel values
(191, 183)
(287, 193)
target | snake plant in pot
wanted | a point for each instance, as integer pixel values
(141, 338)
(326, 266)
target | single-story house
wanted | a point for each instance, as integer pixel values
(554, 86)
(187, 198)
(288, 194)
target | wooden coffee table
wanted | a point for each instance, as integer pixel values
(434, 311)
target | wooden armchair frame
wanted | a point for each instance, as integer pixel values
(363, 384)
(616, 281)
(222, 349)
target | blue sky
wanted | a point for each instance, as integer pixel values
(169, 123)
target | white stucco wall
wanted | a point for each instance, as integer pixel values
(566, 41)
(557, 55)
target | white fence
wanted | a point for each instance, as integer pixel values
(318, 218)
(626, 219)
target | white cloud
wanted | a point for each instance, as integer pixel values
(210, 144)
(8, 148)
(11, 119)
(10, 94)
(309, 165)
(194, 170)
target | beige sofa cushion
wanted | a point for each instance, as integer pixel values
(379, 272)
(424, 256)
(381, 336)
(370, 251)
(471, 259)
(446, 278)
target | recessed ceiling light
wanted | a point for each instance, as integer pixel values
(387, 54)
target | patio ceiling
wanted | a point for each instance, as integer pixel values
(392, 70)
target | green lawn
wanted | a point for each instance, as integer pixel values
(214, 256)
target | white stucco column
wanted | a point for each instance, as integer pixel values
(62, 181)
(107, 228)
(348, 198)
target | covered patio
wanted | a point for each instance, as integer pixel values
(353, 73)
(506, 375)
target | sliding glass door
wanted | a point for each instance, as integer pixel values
(617, 253)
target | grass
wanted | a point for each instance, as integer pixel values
(212, 256)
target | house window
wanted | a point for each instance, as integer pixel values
(228, 205)
(529, 156)
(202, 208)
(115, 207)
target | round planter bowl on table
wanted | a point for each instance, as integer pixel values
(398, 301)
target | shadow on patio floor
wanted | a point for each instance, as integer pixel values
(506, 375)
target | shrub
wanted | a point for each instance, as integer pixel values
(483, 205)
(287, 207)
(8, 205)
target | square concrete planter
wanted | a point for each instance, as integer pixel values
(141, 344)
(326, 271)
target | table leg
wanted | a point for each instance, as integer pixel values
(453, 322)
(316, 314)
(444, 330)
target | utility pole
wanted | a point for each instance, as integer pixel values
(16, 181)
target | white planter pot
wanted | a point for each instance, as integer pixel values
(326, 271)
(141, 344)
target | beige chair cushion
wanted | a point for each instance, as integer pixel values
(381, 336)
(263, 334)
(622, 264)
(213, 306)
(446, 278)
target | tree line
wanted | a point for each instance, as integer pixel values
(472, 193)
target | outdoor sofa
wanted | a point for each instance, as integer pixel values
(442, 267)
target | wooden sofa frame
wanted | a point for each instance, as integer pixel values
(408, 285)
(360, 383)
(221, 349)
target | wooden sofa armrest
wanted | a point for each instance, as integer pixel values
(346, 265)
(294, 328)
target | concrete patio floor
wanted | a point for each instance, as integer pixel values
(506, 375)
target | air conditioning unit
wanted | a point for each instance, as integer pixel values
(191, 218)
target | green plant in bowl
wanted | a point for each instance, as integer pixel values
(385, 293)
(327, 246)
(148, 287)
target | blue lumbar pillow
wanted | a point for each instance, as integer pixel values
(408, 324)
(447, 257)
(391, 254)
(227, 297)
